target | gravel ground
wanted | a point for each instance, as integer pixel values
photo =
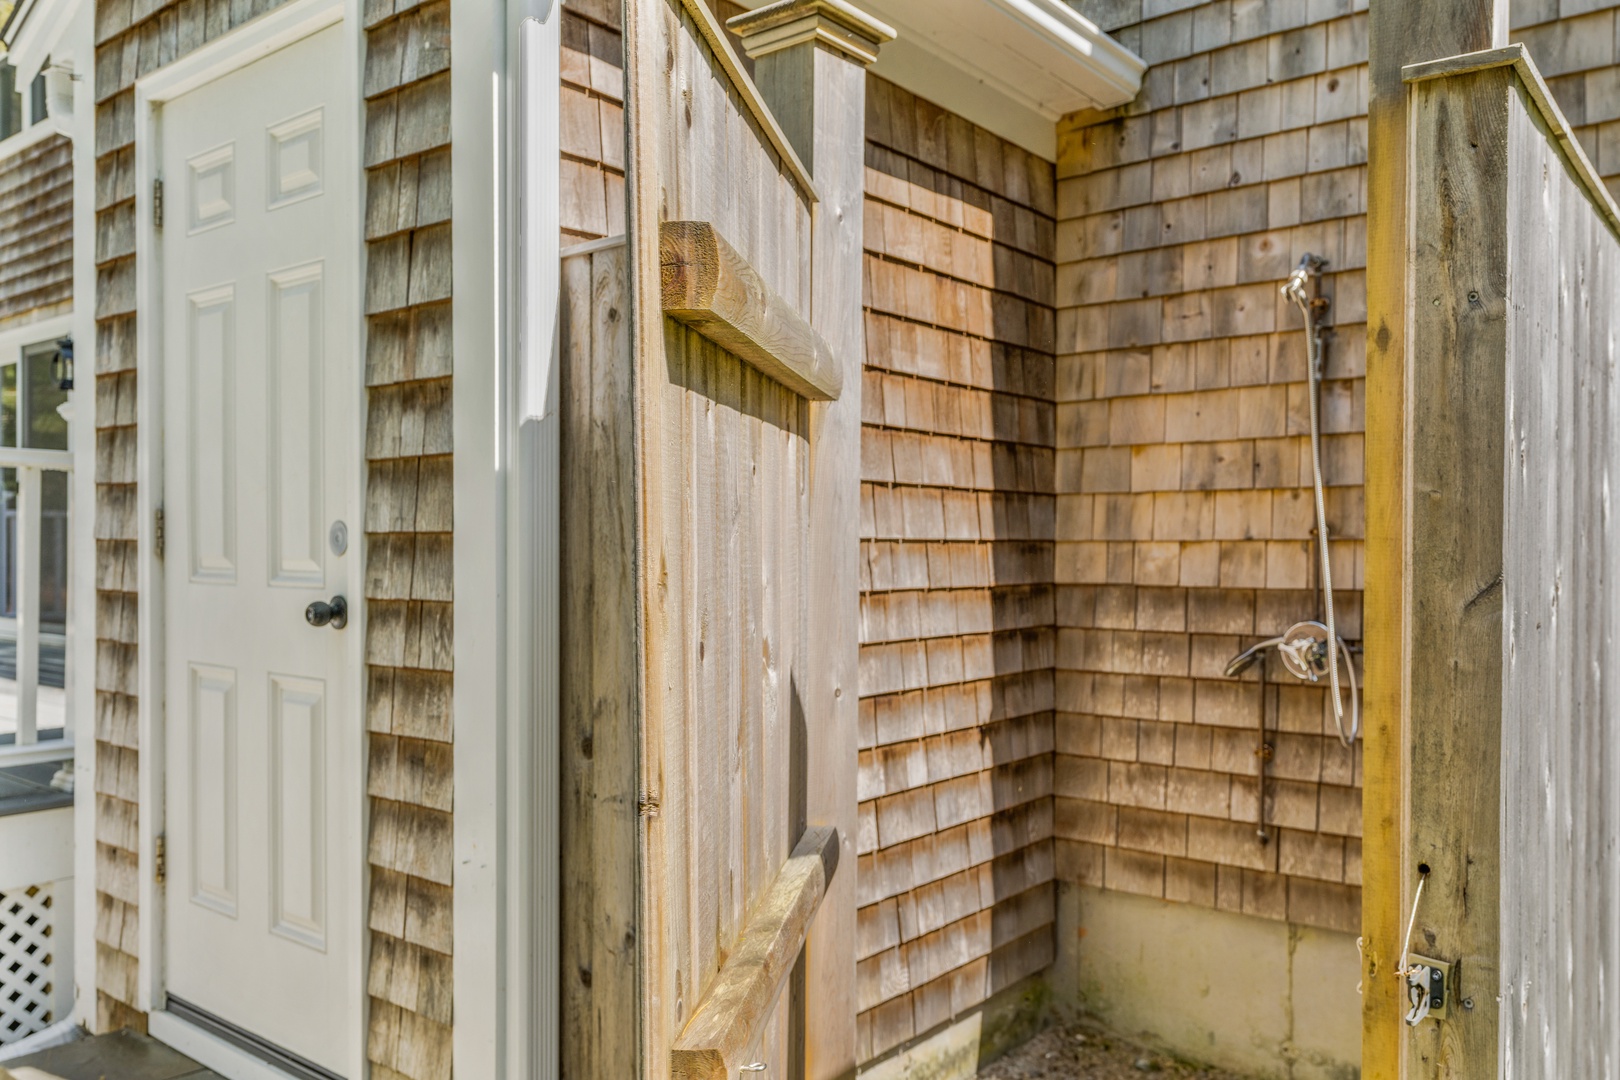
(1081, 1052)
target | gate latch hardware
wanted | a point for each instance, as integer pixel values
(1427, 983)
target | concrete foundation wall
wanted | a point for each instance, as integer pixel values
(1252, 994)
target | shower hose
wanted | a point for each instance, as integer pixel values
(1295, 292)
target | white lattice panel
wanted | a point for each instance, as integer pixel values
(27, 958)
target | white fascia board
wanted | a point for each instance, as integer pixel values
(38, 32)
(908, 65)
(1012, 66)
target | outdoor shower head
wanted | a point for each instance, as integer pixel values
(1294, 288)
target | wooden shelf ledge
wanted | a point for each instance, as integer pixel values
(710, 287)
(728, 1024)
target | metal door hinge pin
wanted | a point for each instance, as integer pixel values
(160, 860)
(157, 203)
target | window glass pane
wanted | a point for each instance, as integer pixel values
(8, 405)
(36, 98)
(46, 429)
(10, 102)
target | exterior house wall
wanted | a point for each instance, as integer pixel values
(1576, 47)
(407, 516)
(592, 130)
(1185, 514)
(36, 231)
(408, 523)
(957, 640)
(132, 40)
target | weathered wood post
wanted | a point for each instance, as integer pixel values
(1413, 753)
(810, 63)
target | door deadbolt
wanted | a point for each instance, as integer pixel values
(335, 614)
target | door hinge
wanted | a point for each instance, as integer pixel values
(157, 532)
(157, 203)
(160, 859)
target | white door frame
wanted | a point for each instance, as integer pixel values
(278, 28)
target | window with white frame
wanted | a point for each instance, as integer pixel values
(32, 379)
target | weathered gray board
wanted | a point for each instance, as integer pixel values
(709, 697)
(1513, 798)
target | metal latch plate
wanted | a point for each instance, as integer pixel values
(1440, 986)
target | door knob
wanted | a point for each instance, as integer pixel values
(335, 614)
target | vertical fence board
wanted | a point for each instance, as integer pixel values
(1513, 798)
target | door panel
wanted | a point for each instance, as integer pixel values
(211, 464)
(295, 365)
(298, 809)
(213, 807)
(261, 454)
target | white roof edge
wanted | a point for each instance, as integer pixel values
(913, 68)
(1113, 62)
(1014, 67)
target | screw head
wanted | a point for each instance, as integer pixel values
(1468, 1003)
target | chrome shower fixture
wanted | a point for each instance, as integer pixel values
(1245, 660)
(1303, 649)
(1297, 287)
(1310, 650)
(1305, 652)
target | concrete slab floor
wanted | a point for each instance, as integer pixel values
(122, 1055)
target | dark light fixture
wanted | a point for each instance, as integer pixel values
(62, 364)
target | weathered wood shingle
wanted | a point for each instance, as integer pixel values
(36, 232)
(1183, 470)
(408, 521)
(957, 610)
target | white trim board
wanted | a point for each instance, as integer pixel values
(21, 335)
(489, 870)
(278, 28)
(37, 847)
(40, 26)
(1014, 67)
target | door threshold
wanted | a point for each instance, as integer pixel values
(229, 1059)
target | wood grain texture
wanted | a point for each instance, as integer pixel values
(958, 519)
(712, 289)
(599, 671)
(723, 513)
(36, 231)
(819, 90)
(408, 533)
(1560, 798)
(1399, 34)
(729, 1023)
(1456, 461)
(1184, 521)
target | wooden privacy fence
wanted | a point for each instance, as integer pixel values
(1512, 636)
(711, 443)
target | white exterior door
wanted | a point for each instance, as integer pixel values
(260, 459)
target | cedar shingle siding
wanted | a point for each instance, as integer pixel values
(957, 639)
(592, 122)
(1576, 46)
(36, 231)
(1186, 520)
(408, 516)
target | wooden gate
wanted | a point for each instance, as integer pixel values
(711, 441)
(1508, 802)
